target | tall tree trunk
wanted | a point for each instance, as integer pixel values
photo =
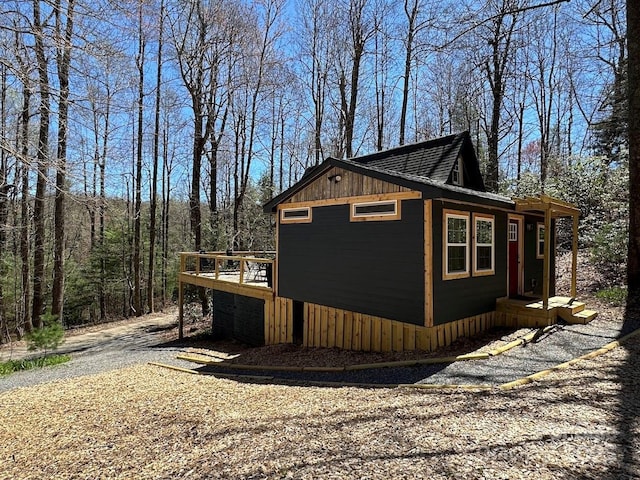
(412, 14)
(496, 70)
(42, 156)
(101, 210)
(63, 60)
(633, 259)
(166, 190)
(154, 174)
(137, 214)
(4, 196)
(25, 252)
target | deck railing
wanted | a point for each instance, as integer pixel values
(220, 265)
(226, 272)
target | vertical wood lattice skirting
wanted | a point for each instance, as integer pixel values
(278, 321)
(332, 327)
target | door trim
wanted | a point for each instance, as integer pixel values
(520, 220)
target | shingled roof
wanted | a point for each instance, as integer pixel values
(433, 159)
(427, 164)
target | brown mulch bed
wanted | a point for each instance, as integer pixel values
(148, 422)
(298, 356)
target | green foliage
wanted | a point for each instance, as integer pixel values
(47, 338)
(614, 295)
(599, 187)
(12, 366)
(610, 244)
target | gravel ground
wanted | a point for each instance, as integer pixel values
(153, 340)
(146, 422)
(131, 343)
(558, 346)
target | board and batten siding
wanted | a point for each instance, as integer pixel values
(473, 295)
(351, 184)
(376, 267)
(330, 327)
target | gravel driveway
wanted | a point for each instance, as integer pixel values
(152, 340)
(141, 341)
(562, 344)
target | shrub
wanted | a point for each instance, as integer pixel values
(47, 338)
(614, 295)
(12, 366)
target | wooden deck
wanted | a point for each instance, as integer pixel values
(531, 312)
(242, 273)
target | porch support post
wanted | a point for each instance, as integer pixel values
(574, 258)
(546, 273)
(180, 310)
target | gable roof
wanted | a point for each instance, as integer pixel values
(432, 158)
(420, 166)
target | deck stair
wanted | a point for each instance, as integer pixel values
(571, 310)
(568, 309)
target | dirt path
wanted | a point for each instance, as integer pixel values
(123, 335)
(96, 350)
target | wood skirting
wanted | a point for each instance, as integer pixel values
(520, 320)
(332, 327)
(278, 321)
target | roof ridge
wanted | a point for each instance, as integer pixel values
(432, 142)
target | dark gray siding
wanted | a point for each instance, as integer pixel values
(238, 317)
(223, 314)
(533, 267)
(465, 297)
(373, 267)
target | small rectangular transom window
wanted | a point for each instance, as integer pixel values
(382, 210)
(540, 235)
(295, 215)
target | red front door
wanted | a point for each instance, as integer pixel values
(514, 277)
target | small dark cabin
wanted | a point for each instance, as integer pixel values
(398, 250)
(408, 236)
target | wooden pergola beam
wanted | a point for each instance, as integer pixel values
(553, 208)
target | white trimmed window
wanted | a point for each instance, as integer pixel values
(456, 244)
(540, 240)
(381, 210)
(456, 173)
(484, 244)
(295, 215)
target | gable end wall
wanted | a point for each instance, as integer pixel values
(351, 184)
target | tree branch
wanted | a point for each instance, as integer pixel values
(501, 14)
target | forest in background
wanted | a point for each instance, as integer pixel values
(132, 130)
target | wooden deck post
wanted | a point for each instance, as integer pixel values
(180, 310)
(547, 260)
(574, 258)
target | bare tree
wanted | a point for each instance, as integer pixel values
(633, 66)
(154, 173)
(360, 30)
(316, 35)
(249, 103)
(5, 188)
(201, 41)
(137, 206)
(63, 38)
(499, 36)
(42, 157)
